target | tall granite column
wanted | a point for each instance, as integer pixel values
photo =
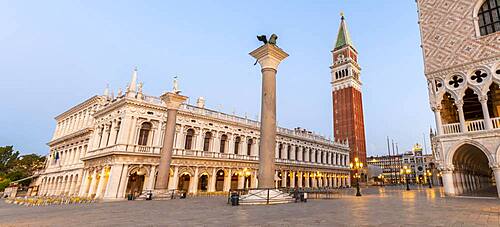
(173, 101)
(269, 57)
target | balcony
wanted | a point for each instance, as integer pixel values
(122, 148)
(471, 126)
(215, 155)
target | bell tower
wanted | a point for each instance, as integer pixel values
(348, 121)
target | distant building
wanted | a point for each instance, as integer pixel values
(419, 164)
(390, 166)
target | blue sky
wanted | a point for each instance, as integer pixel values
(55, 54)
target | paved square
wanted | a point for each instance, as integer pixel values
(378, 207)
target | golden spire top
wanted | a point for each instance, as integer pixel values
(342, 15)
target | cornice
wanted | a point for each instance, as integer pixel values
(82, 105)
(461, 67)
(76, 134)
(127, 101)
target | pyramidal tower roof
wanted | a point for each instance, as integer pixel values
(343, 37)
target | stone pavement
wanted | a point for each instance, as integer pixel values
(377, 207)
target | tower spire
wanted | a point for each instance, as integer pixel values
(343, 37)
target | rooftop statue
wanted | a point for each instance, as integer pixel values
(271, 41)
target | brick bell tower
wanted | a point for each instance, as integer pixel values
(348, 120)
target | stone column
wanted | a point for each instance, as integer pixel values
(227, 180)
(102, 181)
(299, 180)
(496, 172)
(292, 179)
(84, 182)
(284, 178)
(449, 188)
(194, 181)
(269, 57)
(152, 174)
(253, 180)
(460, 109)
(114, 131)
(241, 181)
(92, 184)
(437, 117)
(212, 180)
(175, 179)
(115, 175)
(484, 104)
(78, 184)
(173, 102)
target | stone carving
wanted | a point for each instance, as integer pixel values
(272, 39)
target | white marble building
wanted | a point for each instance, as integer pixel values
(461, 48)
(108, 147)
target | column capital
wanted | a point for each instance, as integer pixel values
(173, 100)
(483, 98)
(447, 168)
(495, 166)
(269, 56)
(436, 108)
(459, 103)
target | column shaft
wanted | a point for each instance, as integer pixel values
(268, 129)
(166, 151)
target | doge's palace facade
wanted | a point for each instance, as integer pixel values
(461, 48)
(108, 147)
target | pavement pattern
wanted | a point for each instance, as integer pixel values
(384, 206)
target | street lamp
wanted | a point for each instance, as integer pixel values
(429, 177)
(406, 171)
(356, 166)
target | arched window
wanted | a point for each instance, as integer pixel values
(288, 150)
(206, 142)
(296, 153)
(237, 142)
(223, 140)
(249, 147)
(144, 133)
(189, 139)
(489, 17)
(280, 148)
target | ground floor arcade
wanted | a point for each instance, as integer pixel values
(116, 181)
(471, 169)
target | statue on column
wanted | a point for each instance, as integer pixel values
(175, 88)
(272, 40)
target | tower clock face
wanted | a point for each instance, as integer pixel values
(420, 168)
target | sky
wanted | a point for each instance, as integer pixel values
(56, 54)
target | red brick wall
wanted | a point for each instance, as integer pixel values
(348, 121)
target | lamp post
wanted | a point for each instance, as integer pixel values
(406, 171)
(429, 177)
(356, 166)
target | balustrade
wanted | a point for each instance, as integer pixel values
(472, 126)
(451, 128)
(495, 122)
